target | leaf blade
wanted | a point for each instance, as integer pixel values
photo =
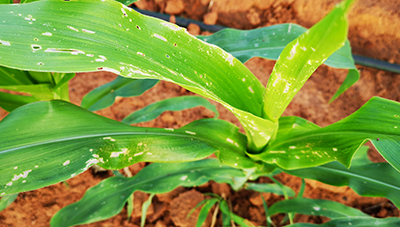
(155, 178)
(109, 46)
(7, 200)
(74, 139)
(308, 145)
(104, 96)
(301, 58)
(354, 221)
(205, 209)
(10, 102)
(318, 207)
(145, 207)
(269, 188)
(155, 109)
(374, 180)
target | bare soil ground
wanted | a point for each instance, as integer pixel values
(374, 26)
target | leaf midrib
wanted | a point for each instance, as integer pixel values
(354, 175)
(311, 134)
(167, 133)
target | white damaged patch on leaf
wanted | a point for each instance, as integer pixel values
(5, 43)
(22, 175)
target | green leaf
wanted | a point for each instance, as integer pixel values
(302, 144)
(27, 1)
(38, 91)
(361, 157)
(267, 216)
(14, 77)
(42, 86)
(269, 42)
(115, 38)
(130, 205)
(145, 207)
(10, 102)
(302, 188)
(108, 197)
(195, 207)
(237, 219)
(6, 2)
(154, 110)
(65, 140)
(269, 188)
(352, 77)
(205, 210)
(104, 96)
(302, 57)
(61, 90)
(63, 78)
(374, 180)
(42, 77)
(266, 42)
(127, 2)
(7, 200)
(317, 207)
(226, 219)
(354, 221)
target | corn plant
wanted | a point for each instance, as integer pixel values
(43, 43)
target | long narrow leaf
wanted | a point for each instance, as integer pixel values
(129, 205)
(361, 157)
(267, 216)
(154, 110)
(104, 96)
(58, 140)
(38, 91)
(302, 57)
(64, 79)
(269, 42)
(145, 207)
(354, 221)
(375, 179)
(117, 39)
(7, 200)
(10, 102)
(318, 207)
(303, 144)
(6, 1)
(42, 77)
(13, 77)
(302, 188)
(269, 188)
(352, 77)
(108, 197)
(205, 209)
(237, 219)
(127, 2)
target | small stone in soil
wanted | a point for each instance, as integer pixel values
(174, 7)
(193, 29)
(211, 18)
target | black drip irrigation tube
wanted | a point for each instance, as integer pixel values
(183, 22)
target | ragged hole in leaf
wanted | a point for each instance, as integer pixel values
(5, 43)
(63, 50)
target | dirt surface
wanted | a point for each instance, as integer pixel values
(374, 26)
